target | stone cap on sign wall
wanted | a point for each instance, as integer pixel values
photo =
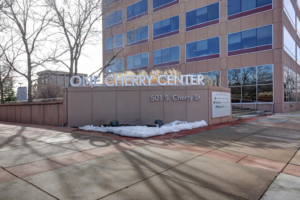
(33, 103)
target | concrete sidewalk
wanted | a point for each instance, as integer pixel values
(251, 159)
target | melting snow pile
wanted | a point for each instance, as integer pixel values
(144, 131)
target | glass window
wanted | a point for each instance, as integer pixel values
(289, 11)
(250, 38)
(264, 35)
(137, 35)
(202, 15)
(114, 42)
(158, 3)
(115, 66)
(265, 74)
(249, 94)
(248, 5)
(137, 61)
(251, 84)
(289, 43)
(233, 7)
(238, 6)
(234, 77)
(166, 55)
(249, 75)
(290, 85)
(265, 93)
(114, 19)
(234, 41)
(166, 26)
(137, 9)
(203, 47)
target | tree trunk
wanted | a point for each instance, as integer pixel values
(29, 89)
(76, 65)
(71, 69)
(1, 91)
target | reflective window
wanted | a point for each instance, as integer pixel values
(290, 85)
(114, 42)
(137, 35)
(289, 43)
(250, 38)
(202, 15)
(166, 55)
(114, 19)
(251, 84)
(290, 11)
(138, 61)
(137, 9)
(115, 66)
(158, 3)
(166, 26)
(238, 6)
(203, 48)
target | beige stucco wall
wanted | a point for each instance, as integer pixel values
(132, 105)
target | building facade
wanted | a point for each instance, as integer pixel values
(59, 78)
(250, 46)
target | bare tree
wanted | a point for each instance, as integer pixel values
(78, 23)
(26, 30)
(47, 91)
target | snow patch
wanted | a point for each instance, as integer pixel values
(144, 131)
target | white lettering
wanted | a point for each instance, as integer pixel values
(75, 84)
(106, 81)
(170, 78)
(158, 80)
(142, 80)
(127, 78)
(149, 79)
(96, 80)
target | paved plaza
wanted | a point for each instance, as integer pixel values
(256, 158)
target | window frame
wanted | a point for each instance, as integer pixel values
(167, 62)
(241, 86)
(285, 47)
(256, 39)
(203, 56)
(203, 22)
(248, 11)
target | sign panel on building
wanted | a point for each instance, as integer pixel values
(221, 104)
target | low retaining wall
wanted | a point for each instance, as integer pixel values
(46, 113)
(133, 105)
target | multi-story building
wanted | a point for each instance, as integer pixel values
(59, 78)
(250, 46)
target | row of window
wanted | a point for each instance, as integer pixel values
(201, 16)
(290, 46)
(252, 40)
